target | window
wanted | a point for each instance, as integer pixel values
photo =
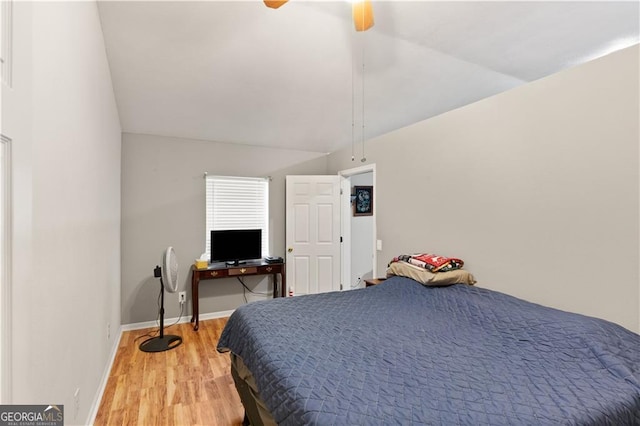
(237, 203)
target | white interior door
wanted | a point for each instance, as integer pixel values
(313, 233)
(345, 232)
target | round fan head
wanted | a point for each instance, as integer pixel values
(170, 270)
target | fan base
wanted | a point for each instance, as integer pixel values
(160, 344)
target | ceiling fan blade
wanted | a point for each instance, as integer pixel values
(362, 12)
(274, 4)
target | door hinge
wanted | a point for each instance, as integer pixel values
(340, 286)
(340, 191)
(340, 239)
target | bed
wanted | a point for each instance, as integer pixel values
(404, 353)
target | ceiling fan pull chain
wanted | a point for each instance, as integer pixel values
(353, 102)
(363, 159)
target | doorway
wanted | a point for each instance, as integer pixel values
(359, 232)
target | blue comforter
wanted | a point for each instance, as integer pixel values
(402, 353)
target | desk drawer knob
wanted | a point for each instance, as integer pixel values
(269, 269)
(243, 270)
(214, 273)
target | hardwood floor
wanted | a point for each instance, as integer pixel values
(188, 385)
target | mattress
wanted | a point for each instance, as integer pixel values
(403, 353)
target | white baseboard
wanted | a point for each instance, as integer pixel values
(170, 321)
(93, 412)
(95, 406)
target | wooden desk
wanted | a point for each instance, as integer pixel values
(222, 270)
(373, 281)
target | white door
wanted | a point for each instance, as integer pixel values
(313, 233)
(345, 231)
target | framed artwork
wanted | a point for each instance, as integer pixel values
(363, 201)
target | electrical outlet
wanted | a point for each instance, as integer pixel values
(182, 297)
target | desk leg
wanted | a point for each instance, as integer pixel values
(283, 281)
(275, 285)
(194, 300)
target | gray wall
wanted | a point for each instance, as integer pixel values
(535, 188)
(163, 204)
(66, 281)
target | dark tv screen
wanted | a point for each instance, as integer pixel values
(236, 245)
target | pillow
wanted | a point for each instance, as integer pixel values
(404, 269)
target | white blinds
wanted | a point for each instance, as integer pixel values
(237, 203)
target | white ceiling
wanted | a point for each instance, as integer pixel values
(236, 71)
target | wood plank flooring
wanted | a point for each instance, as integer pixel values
(188, 385)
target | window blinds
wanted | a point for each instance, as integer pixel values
(237, 203)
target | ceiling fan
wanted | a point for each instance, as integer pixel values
(361, 10)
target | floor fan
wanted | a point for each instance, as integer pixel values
(168, 275)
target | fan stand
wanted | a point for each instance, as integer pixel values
(160, 343)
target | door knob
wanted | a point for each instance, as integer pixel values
(290, 249)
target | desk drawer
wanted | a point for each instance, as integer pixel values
(203, 275)
(270, 269)
(243, 271)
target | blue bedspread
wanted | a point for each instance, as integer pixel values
(401, 353)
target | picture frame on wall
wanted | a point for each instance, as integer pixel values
(363, 201)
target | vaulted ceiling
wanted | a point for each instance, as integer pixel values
(239, 72)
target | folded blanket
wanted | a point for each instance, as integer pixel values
(430, 262)
(405, 269)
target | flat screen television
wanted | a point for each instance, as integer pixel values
(236, 245)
